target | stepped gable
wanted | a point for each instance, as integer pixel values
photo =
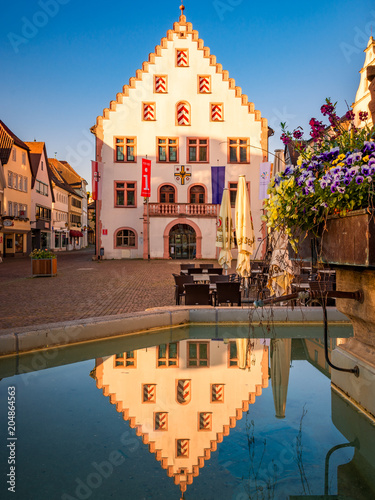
(183, 30)
(183, 476)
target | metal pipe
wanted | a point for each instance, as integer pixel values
(354, 370)
(354, 444)
(322, 296)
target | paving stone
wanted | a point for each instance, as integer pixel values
(82, 288)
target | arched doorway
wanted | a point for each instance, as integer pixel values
(182, 242)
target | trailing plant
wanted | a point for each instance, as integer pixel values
(335, 173)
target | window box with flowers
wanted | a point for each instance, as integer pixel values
(329, 195)
(43, 263)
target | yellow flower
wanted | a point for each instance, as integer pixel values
(340, 157)
(365, 158)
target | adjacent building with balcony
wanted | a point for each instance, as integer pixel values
(15, 198)
(184, 113)
(41, 197)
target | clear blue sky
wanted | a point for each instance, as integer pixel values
(62, 64)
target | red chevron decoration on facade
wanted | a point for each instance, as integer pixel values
(204, 84)
(205, 421)
(183, 113)
(217, 114)
(217, 393)
(182, 448)
(182, 57)
(160, 84)
(149, 393)
(161, 421)
(183, 391)
(149, 111)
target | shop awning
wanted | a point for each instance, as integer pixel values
(75, 234)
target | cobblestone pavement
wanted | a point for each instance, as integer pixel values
(82, 288)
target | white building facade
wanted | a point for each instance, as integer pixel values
(184, 113)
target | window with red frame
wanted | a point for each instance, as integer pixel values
(239, 150)
(197, 194)
(197, 150)
(125, 149)
(125, 194)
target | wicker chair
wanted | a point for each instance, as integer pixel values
(216, 270)
(197, 294)
(180, 280)
(184, 267)
(228, 293)
(195, 270)
(214, 278)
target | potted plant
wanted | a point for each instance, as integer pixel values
(329, 194)
(43, 263)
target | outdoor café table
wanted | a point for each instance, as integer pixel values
(201, 278)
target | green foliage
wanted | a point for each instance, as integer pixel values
(42, 254)
(335, 173)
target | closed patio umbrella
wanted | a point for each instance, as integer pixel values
(244, 229)
(281, 271)
(242, 350)
(280, 367)
(224, 234)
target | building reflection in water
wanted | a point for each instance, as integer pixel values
(183, 397)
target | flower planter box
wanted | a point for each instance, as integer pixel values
(349, 240)
(43, 267)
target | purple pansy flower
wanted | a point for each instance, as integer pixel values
(365, 170)
(369, 146)
(359, 179)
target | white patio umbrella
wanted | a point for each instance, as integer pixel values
(225, 233)
(242, 352)
(280, 367)
(282, 270)
(244, 229)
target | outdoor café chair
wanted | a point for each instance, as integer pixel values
(216, 270)
(228, 293)
(197, 294)
(322, 286)
(206, 266)
(214, 278)
(180, 280)
(183, 267)
(235, 277)
(195, 270)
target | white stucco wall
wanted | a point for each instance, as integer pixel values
(126, 121)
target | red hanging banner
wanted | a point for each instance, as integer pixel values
(95, 179)
(146, 178)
